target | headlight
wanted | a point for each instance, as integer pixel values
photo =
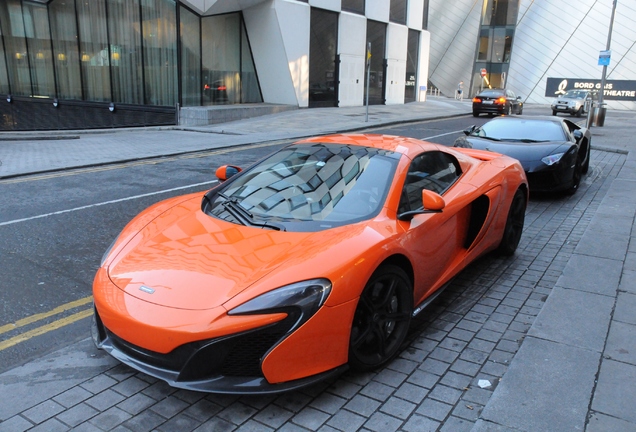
(552, 159)
(300, 301)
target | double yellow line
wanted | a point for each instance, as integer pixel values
(48, 327)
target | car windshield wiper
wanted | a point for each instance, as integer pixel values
(487, 137)
(234, 207)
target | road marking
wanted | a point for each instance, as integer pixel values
(45, 329)
(15, 221)
(37, 317)
(441, 135)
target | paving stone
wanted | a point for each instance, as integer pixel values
(625, 307)
(434, 409)
(105, 400)
(136, 403)
(72, 397)
(216, 424)
(434, 366)
(169, 407)
(273, 416)
(445, 394)
(362, 405)
(423, 379)
(51, 425)
(544, 367)
(310, 418)
(418, 423)
(378, 391)
(15, 424)
(411, 392)
(237, 413)
(346, 421)
(399, 408)
(615, 391)
(451, 344)
(328, 403)
(183, 423)
(77, 415)
(43, 411)
(159, 390)
(130, 386)
(602, 423)
(98, 384)
(456, 424)
(202, 410)
(110, 418)
(145, 421)
(295, 401)
(455, 380)
(380, 422)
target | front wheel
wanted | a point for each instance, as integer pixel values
(475, 114)
(576, 177)
(553, 112)
(514, 224)
(509, 110)
(382, 318)
(579, 113)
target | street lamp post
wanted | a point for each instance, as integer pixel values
(609, 41)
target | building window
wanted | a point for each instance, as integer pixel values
(322, 58)
(376, 37)
(412, 56)
(159, 32)
(398, 11)
(94, 50)
(356, 6)
(190, 33)
(125, 51)
(66, 50)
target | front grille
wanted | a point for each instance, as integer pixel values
(238, 355)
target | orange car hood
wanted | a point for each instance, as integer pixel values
(186, 259)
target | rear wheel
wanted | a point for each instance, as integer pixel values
(514, 224)
(382, 318)
(475, 114)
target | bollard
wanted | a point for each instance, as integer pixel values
(600, 114)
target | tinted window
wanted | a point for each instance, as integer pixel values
(513, 129)
(436, 171)
(310, 187)
(492, 93)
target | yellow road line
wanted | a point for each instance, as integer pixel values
(45, 329)
(37, 317)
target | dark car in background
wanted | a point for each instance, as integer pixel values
(497, 101)
(554, 151)
(573, 102)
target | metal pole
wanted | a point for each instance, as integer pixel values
(366, 119)
(609, 40)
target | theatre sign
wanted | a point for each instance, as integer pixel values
(623, 90)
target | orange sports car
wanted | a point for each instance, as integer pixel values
(310, 261)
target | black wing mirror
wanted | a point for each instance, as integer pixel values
(469, 129)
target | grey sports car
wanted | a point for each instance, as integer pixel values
(554, 151)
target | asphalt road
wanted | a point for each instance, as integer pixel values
(56, 227)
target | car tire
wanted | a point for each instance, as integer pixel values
(514, 224)
(576, 177)
(553, 112)
(579, 113)
(382, 318)
(509, 110)
(586, 166)
(520, 110)
(475, 114)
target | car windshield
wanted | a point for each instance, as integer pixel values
(491, 93)
(307, 188)
(575, 94)
(506, 129)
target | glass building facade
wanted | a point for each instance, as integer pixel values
(494, 45)
(109, 63)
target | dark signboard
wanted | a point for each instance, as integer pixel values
(623, 90)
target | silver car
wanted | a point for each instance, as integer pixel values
(573, 102)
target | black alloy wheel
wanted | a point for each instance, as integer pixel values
(514, 224)
(382, 318)
(576, 177)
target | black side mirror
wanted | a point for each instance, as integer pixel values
(469, 129)
(577, 134)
